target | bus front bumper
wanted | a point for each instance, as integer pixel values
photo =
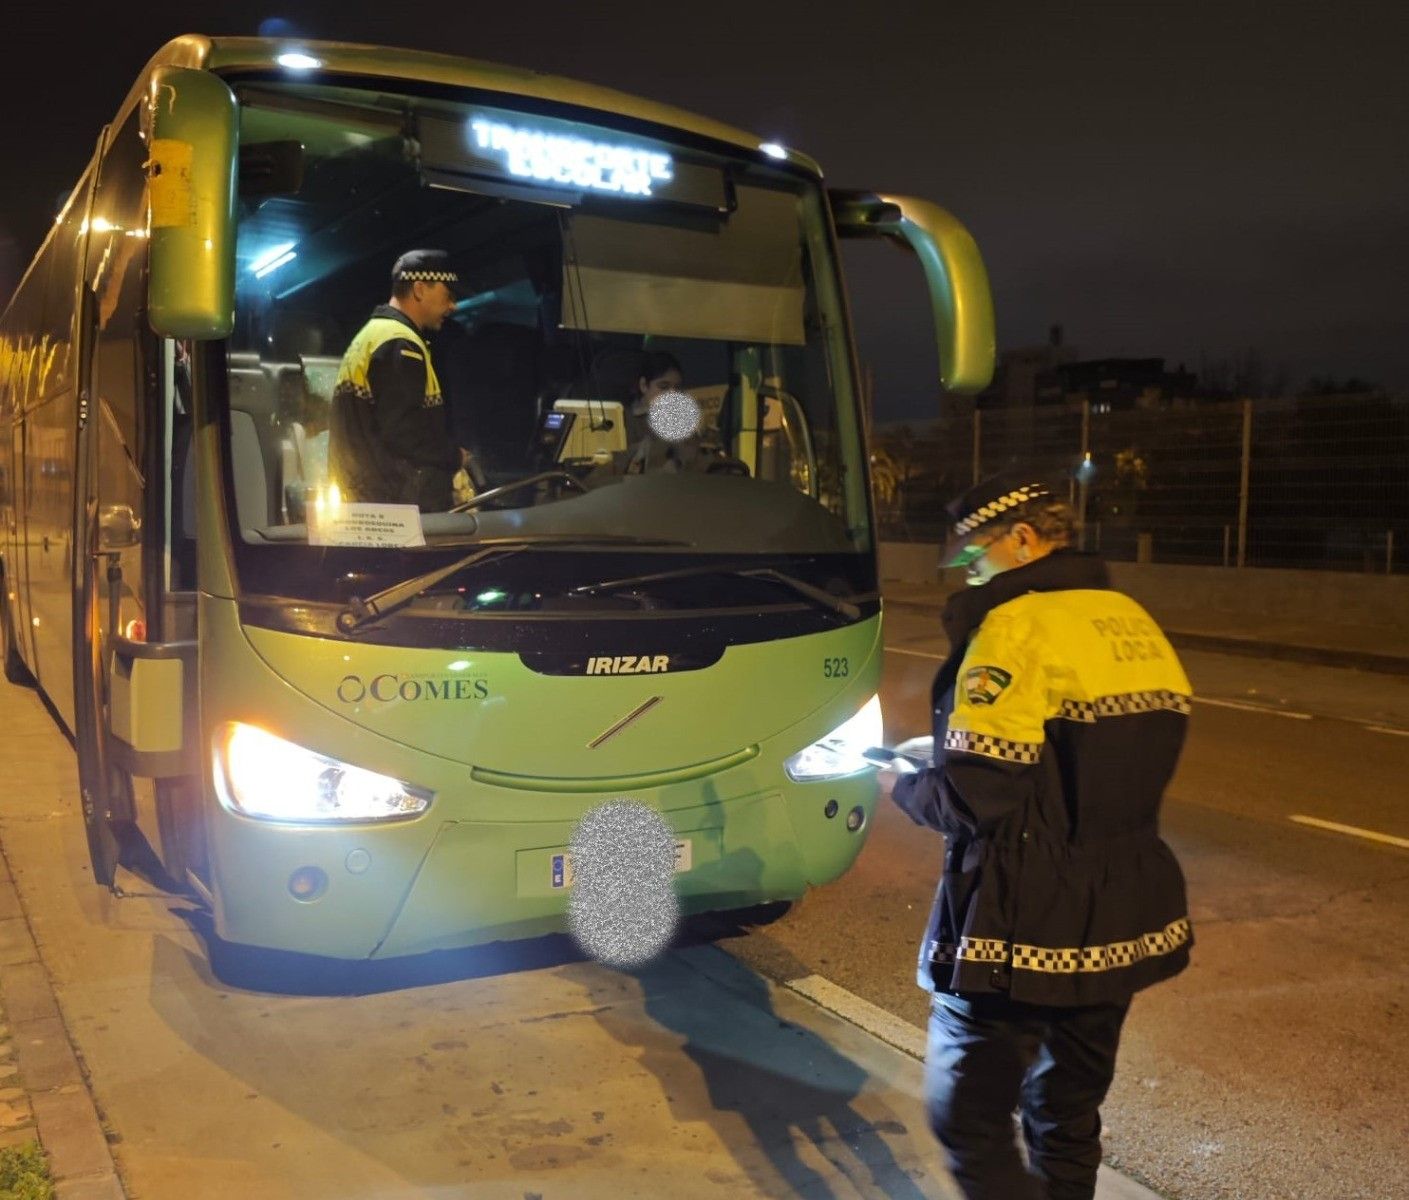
(486, 881)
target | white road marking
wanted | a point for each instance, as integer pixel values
(1354, 831)
(913, 653)
(1258, 708)
(1388, 729)
(861, 1013)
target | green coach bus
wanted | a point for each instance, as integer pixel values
(362, 731)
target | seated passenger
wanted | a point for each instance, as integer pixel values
(389, 440)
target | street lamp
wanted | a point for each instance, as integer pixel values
(1083, 479)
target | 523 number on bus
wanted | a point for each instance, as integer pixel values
(836, 668)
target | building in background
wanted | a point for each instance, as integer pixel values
(1016, 379)
(1116, 385)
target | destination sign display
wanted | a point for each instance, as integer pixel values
(565, 155)
(599, 166)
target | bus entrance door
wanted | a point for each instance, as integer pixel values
(17, 542)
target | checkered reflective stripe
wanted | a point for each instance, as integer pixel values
(1069, 961)
(992, 747)
(996, 508)
(431, 276)
(1123, 705)
(1047, 960)
(970, 949)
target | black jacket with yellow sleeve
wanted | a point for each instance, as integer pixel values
(1058, 721)
(388, 438)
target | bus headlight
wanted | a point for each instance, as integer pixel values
(260, 775)
(839, 753)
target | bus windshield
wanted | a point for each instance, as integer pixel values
(647, 356)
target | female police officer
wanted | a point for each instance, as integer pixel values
(1058, 718)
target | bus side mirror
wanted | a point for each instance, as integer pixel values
(954, 273)
(192, 143)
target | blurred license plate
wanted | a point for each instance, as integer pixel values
(561, 864)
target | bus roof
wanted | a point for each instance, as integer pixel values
(234, 53)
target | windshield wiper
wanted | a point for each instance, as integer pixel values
(840, 604)
(361, 612)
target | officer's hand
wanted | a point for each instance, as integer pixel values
(885, 780)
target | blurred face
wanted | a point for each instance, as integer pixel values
(992, 552)
(434, 301)
(670, 381)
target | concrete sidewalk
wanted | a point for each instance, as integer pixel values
(694, 1076)
(1328, 643)
(52, 1102)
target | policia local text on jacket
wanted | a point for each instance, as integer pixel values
(1058, 720)
(389, 442)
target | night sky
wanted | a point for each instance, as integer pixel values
(1185, 180)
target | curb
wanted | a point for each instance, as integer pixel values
(80, 1160)
(1362, 660)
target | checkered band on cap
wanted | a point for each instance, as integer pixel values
(430, 276)
(996, 508)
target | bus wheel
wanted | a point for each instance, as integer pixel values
(762, 914)
(15, 670)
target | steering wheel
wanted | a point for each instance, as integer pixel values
(728, 466)
(504, 489)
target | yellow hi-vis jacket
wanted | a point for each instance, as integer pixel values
(388, 437)
(1059, 719)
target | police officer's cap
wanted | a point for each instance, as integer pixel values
(986, 504)
(428, 266)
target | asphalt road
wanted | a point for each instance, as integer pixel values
(1275, 1068)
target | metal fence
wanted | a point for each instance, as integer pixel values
(1320, 482)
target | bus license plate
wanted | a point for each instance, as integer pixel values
(561, 864)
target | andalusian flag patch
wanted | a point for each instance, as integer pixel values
(983, 685)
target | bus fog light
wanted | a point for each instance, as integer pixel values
(830, 810)
(839, 753)
(308, 883)
(855, 818)
(263, 776)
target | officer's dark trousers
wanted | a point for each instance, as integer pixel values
(988, 1056)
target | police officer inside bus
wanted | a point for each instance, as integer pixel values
(1058, 719)
(388, 439)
